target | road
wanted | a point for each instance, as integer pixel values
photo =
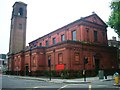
(13, 83)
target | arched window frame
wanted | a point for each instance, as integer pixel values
(20, 12)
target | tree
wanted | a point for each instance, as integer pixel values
(114, 19)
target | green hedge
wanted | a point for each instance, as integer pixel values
(64, 73)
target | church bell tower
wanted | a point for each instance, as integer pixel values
(18, 28)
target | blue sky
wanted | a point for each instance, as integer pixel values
(44, 16)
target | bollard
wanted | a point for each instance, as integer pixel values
(116, 80)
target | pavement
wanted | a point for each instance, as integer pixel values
(59, 80)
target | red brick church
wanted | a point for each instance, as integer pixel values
(82, 44)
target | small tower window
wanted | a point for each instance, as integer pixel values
(20, 13)
(20, 26)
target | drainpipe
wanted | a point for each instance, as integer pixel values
(30, 62)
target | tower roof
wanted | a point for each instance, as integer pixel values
(20, 2)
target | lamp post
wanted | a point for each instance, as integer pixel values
(17, 70)
(84, 71)
(49, 65)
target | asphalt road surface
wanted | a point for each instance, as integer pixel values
(13, 83)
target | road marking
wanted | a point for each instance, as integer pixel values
(102, 85)
(39, 87)
(90, 86)
(36, 87)
(62, 87)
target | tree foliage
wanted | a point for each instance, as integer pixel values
(114, 19)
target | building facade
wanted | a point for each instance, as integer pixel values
(3, 63)
(67, 48)
(114, 43)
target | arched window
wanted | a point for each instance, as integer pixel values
(60, 58)
(20, 13)
(77, 58)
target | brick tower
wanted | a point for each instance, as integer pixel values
(18, 28)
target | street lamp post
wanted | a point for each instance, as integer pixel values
(49, 65)
(84, 71)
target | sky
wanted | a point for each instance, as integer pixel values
(44, 16)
